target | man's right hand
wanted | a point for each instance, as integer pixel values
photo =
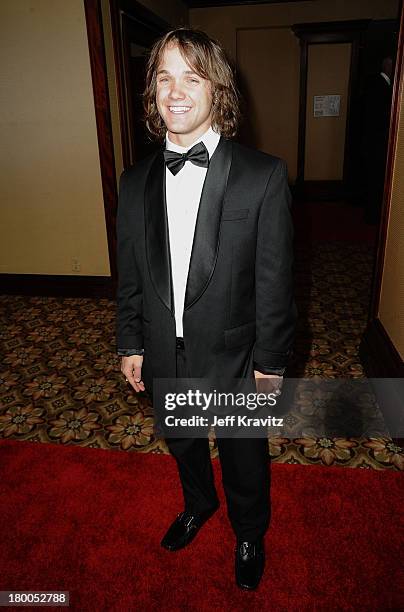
(131, 367)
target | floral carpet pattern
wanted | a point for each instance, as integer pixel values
(60, 378)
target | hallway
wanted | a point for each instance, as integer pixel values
(61, 380)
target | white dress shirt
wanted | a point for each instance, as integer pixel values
(183, 193)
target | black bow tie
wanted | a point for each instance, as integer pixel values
(198, 155)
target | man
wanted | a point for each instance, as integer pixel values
(205, 275)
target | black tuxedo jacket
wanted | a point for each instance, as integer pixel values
(239, 305)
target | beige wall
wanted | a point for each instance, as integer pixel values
(328, 73)
(52, 205)
(268, 68)
(391, 308)
(248, 32)
(52, 209)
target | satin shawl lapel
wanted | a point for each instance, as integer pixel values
(156, 232)
(206, 237)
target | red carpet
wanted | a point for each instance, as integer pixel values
(89, 521)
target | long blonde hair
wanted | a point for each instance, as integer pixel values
(208, 59)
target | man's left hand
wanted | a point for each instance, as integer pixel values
(268, 383)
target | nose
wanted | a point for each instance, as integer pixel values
(176, 91)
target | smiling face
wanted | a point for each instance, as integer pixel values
(183, 98)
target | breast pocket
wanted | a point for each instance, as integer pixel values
(235, 214)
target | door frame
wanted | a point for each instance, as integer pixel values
(98, 64)
(333, 32)
(377, 351)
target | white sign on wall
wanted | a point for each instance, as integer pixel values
(327, 106)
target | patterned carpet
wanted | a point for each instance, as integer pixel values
(60, 379)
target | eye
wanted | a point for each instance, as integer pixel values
(163, 80)
(191, 80)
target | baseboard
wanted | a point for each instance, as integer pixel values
(57, 285)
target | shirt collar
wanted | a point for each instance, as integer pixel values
(386, 78)
(210, 139)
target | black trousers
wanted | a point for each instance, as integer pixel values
(245, 467)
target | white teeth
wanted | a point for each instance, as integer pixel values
(179, 109)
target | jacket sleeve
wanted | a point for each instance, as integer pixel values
(129, 289)
(276, 311)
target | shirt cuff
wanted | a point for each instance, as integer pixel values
(264, 370)
(129, 352)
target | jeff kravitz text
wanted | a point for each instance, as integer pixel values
(230, 420)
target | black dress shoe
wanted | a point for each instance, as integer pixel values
(249, 564)
(184, 529)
